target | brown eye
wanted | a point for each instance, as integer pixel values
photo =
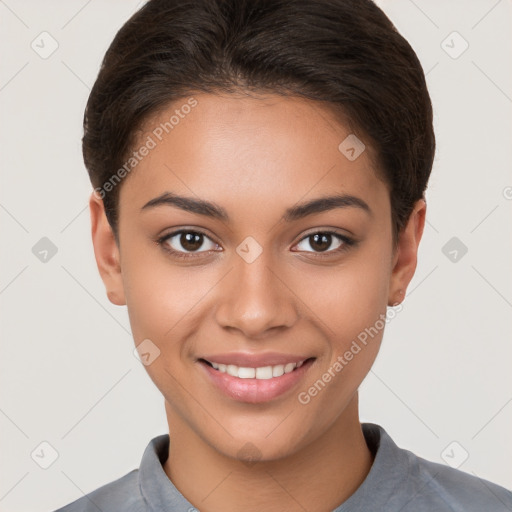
(187, 241)
(324, 241)
(191, 241)
(320, 241)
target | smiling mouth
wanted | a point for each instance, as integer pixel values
(260, 373)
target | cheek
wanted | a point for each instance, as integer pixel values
(352, 310)
(159, 295)
(349, 303)
(350, 297)
(162, 301)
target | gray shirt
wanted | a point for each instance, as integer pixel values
(398, 481)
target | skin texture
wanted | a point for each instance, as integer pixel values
(256, 157)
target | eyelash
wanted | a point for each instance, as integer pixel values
(346, 243)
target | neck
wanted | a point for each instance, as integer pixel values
(317, 478)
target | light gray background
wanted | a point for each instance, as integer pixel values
(68, 373)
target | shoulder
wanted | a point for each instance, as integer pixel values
(432, 484)
(121, 494)
(135, 491)
(130, 492)
(401, 480)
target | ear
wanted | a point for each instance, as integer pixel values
(406, 253)
(106, 251)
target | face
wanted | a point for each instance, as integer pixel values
(252, 287)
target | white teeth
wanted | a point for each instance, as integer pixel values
(232, 370)
(263, 372)
(290, 367)
(277, 370)
(246, 373)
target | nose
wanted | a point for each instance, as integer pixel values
(254, 299)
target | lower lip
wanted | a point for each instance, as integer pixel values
(255, 390)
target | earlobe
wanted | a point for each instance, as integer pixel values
(406, 255)
(106, 251)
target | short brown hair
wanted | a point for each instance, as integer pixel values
(343, 52)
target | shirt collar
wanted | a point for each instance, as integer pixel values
(388, 472)
(157, 490)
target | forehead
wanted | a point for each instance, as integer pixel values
(269, 150)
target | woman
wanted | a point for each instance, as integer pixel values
(259, 170)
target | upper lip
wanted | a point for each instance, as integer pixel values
(249, 360)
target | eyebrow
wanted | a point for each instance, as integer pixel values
(294, 213)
